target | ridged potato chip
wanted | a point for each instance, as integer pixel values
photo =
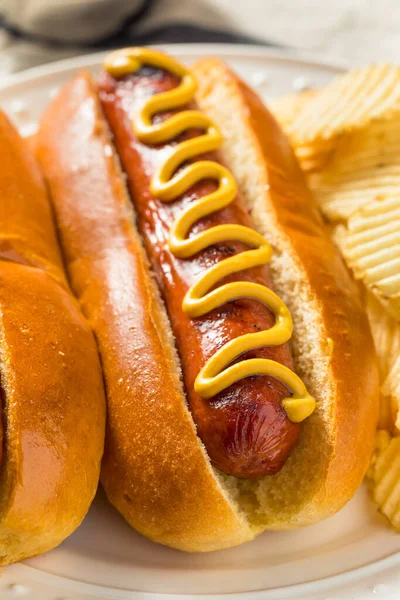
(287, 108)
(372, 250)
(365, 166)
(313, 158)
(350, 135)
(391, 391)
(388, 414)
(384, 474)
(348, 103)
(382, 442)
(386, 334)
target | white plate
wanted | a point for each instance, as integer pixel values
(352, 555)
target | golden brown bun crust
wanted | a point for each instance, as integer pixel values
(352, 358)
(51, 380)
(155, 470)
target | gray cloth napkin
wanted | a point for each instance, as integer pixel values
(68, 20)
(39, 31)
(93, 22)
(356, 31)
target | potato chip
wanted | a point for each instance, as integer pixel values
(286, 108)
(391, 391)
(388, 414)
(338, 234)
(372, 250)
(384, 474)
(314, 158)
(348, 103)
(382, 442)
(364, 166)
(386, 334)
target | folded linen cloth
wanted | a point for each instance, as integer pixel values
(356, 31)
(93, 22)
(39, 31)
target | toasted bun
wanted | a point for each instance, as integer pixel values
(51, 382)
(156, 471)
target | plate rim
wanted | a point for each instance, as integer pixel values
(236, 50)
(317, 586)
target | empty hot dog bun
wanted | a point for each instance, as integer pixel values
(53, 405)
(156, 471)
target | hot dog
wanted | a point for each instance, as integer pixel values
(244, 428)
(156, 470)
(53, 405)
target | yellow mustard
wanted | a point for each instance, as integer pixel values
(166, 185)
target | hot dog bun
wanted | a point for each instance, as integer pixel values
(155, 469)
(51, 382)
(332, 343)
